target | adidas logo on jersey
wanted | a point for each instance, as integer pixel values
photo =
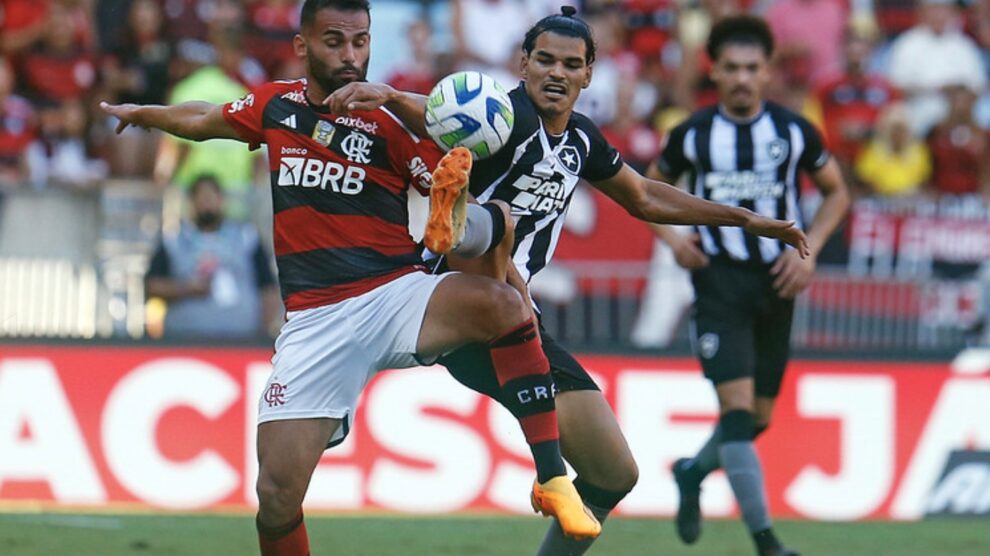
(289, 122)
(312, 172)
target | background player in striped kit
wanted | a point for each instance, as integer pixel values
(744, 152)
(551, 147)
(353, 280)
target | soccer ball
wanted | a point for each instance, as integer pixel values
(469, 109)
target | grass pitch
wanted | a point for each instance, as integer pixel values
(62, 534)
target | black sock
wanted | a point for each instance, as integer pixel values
(596, 496)
(766, 541)
(549, 462)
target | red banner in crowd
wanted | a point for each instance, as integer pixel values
(171, 428)
(921, 238)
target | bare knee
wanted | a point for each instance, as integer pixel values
(735, 395)
(763, 411)
(279, 498)
(505, 308)
(626, 475)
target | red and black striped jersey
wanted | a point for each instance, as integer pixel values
(338, 189)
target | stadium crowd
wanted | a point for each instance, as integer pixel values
(898, 89)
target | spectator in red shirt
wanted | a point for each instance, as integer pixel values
(650, 25)
(419, 75)
(59, 68)
(638, 143)
(851, 101)
(959, 147)
(271, 26)
(190, 23)
(17, 130)
(22, 24)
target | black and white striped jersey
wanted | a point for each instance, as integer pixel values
(536, 173)
(752, 164)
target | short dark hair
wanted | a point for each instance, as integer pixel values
(741, 30)
(564, 23)
(205, 180)
(311, 7)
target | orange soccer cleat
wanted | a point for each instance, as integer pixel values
(448, 201)
(559, 498)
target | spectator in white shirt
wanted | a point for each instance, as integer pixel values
(931, 55)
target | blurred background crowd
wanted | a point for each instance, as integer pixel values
(897, 87)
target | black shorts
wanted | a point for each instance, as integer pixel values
(472, 366)
(741, 328)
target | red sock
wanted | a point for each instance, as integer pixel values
(286, 540)
(523, 372)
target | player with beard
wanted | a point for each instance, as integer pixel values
(550, 148)
(353, 281)
(745, 152)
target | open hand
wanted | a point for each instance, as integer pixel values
(358, 96)
(792, 273)
(779, 229)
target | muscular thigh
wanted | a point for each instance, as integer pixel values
(288, 451)
(465, 308)
(591, 440)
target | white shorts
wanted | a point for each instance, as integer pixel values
(324, 356)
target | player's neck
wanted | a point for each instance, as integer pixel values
(741, 115)
(315, 93)
(556, 124)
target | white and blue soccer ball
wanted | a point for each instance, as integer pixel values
(469, 109)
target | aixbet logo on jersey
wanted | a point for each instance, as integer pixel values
(312, 172)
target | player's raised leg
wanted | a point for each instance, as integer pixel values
(465, 309)
(591, 440)
(448, 201)
(288, 452)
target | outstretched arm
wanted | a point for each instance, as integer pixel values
(662, 203)
(408, 107)
(686, 248)
(197, 121)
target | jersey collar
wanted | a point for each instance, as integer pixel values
(742, 121)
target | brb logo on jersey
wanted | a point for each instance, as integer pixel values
(312, 172)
